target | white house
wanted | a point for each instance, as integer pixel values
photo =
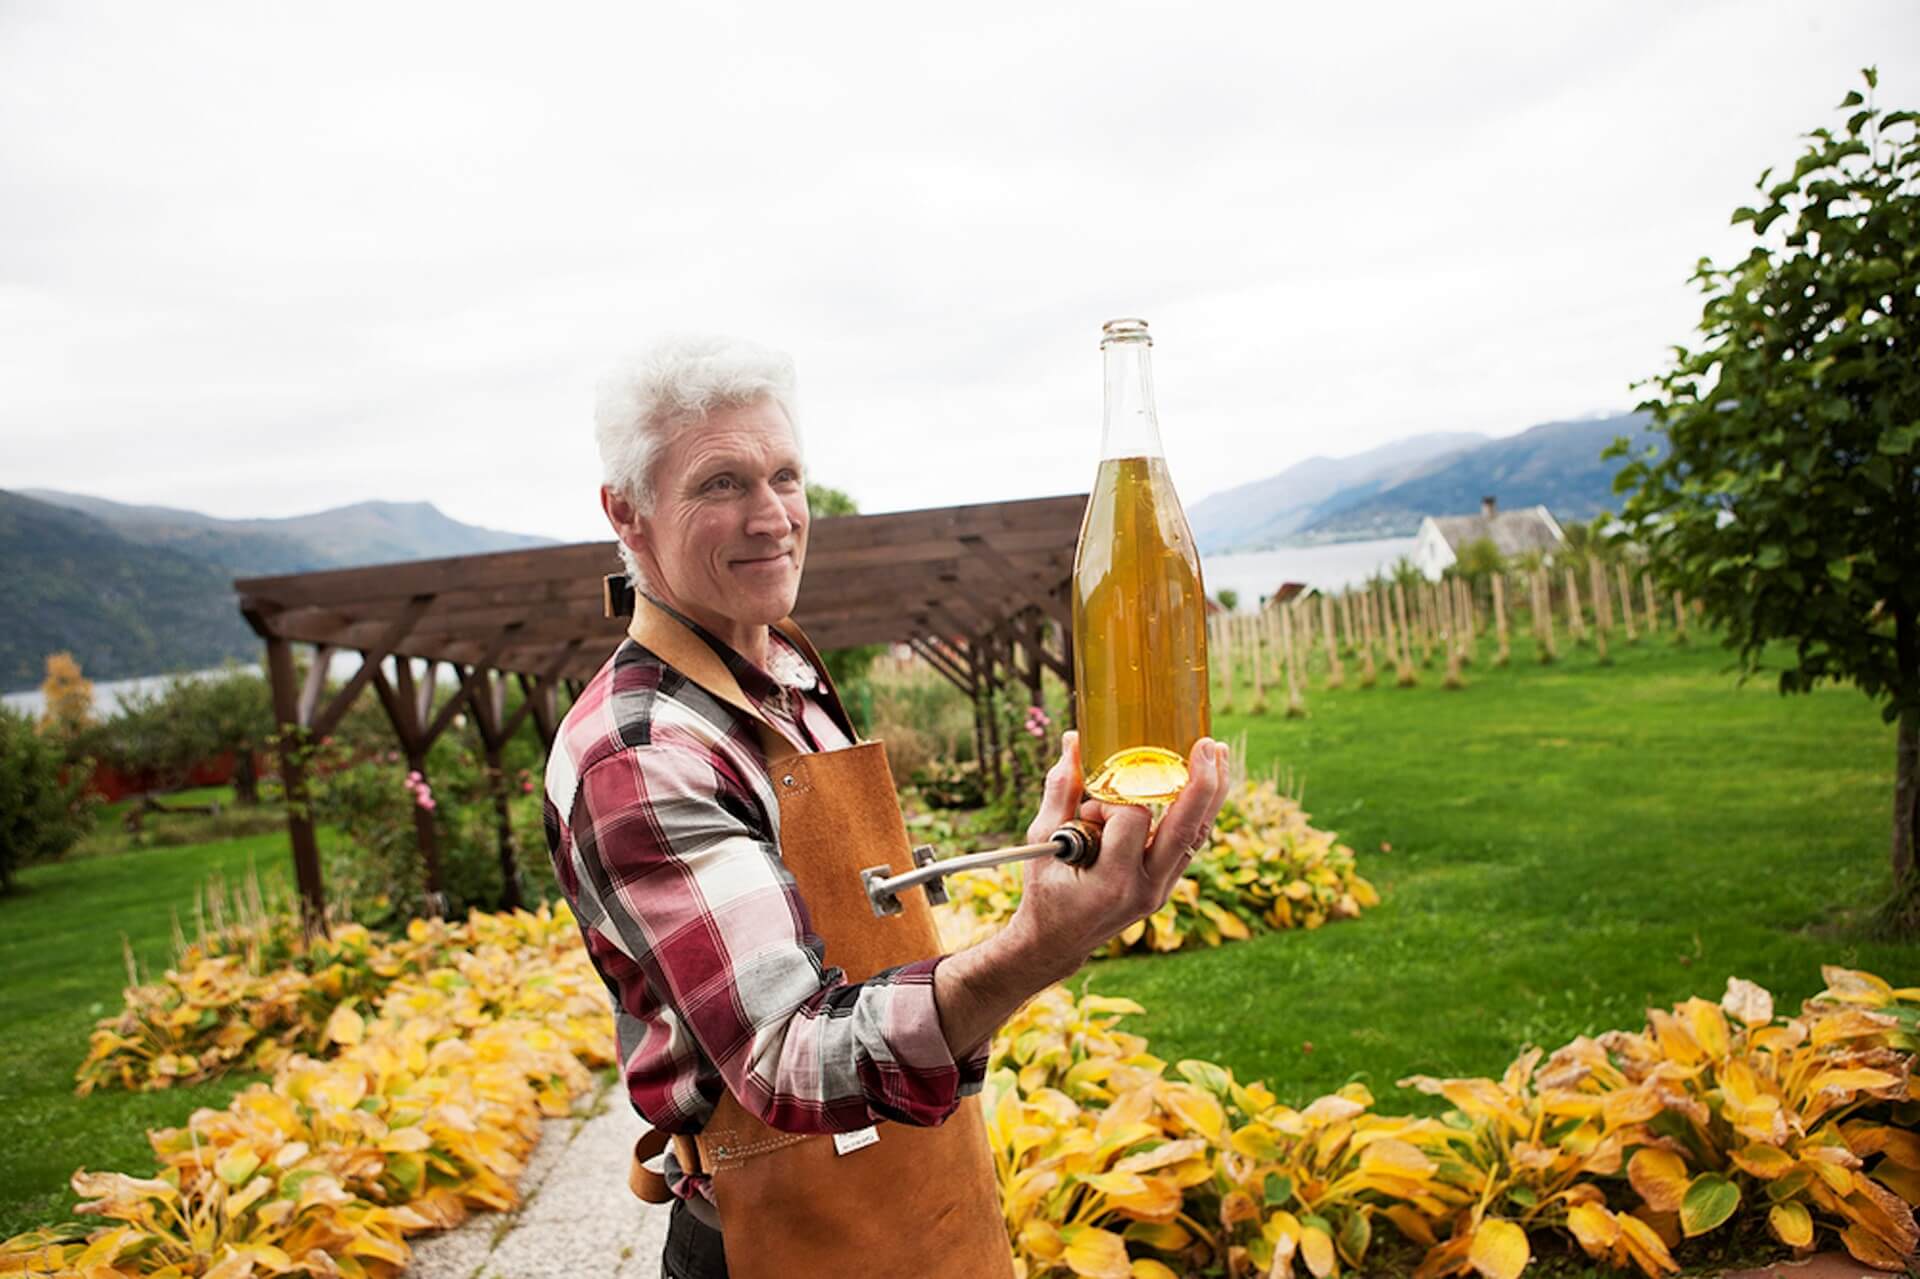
(1443, 537)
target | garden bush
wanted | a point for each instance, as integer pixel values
(376, 871)
(42, 811)
(1715, 1118)
(1266, 868)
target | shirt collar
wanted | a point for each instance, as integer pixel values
(791, 669)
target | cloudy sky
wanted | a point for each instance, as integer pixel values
(259, 260)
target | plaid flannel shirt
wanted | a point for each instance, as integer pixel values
(663, 828)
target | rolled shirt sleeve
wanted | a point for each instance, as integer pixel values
(680, 862)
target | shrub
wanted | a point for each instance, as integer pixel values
(376, 872)
(41, 813)
(1267, 868)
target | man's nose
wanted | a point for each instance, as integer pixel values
(768, 513)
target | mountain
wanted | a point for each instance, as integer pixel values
(1266, 512)
(73, 582)
(364, 533)
(1385, 492)
(1556, 465)
(139, 590)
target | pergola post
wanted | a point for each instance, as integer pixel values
(487, 698)
(293, 779)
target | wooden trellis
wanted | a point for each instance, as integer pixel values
(979, 592)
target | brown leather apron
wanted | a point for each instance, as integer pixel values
(917, 1202)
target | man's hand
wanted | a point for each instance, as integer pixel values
(1066, 914)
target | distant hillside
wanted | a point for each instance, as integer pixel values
(1556, 465)
(141, 590)
(1266, 512)
(364, 533)
(72, 582)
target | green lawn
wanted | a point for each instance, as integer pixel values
(60, 948)
(1568, 845)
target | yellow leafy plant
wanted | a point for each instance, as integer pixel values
(1266, 868)
(425, 1111)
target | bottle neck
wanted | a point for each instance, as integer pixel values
(1132, 426)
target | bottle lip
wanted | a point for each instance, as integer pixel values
(1125, 330)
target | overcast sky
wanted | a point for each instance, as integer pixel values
(263, 259)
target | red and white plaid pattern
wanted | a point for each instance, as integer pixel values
(664, 832)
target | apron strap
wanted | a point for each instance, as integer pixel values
(676, 644)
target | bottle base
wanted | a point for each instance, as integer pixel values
(1140, 775)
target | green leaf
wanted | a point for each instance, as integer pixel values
(1209, 1076)
(1355, 1235)
(1709, 1201)
(1279, 1190)
(1900, 440)
(1840, 570)
(1853, 99)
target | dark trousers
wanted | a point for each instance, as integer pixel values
(693, 1248)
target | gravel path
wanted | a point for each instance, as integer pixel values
(576, 1215)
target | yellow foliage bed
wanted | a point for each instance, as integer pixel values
(421, 1113)
(1627, 1145)
(1267, 868)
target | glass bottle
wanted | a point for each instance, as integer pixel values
(1139, 610)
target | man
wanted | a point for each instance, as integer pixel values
(670, 840)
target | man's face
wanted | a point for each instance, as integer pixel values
(728, 532)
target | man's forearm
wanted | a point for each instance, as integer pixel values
(978, 988)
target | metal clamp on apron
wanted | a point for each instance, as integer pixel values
(1077, 844)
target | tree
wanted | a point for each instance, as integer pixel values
(69, 698)
(41, 813)
(1479, 560)
(1789, 503)
(825, 503)
(235, 710)
(1228, 597)
(159, 734)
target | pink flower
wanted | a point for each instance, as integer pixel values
(526, 788)
(426, 802)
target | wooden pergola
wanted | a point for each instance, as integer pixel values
(979, 592)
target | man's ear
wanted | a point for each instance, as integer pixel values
(621, 515)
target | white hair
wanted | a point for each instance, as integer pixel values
(648, 399)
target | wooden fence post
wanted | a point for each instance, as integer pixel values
(1626, 600)
(1336, 674)
(1505, 653)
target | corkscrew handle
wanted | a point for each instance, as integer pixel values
(1077, 843)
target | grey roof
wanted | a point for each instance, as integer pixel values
(1511, 532)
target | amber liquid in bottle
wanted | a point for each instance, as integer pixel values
(1139, 609)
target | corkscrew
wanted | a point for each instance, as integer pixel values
(1077, 844)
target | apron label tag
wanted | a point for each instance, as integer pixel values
(845, 1143)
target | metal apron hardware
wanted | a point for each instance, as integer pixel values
(917, 1203)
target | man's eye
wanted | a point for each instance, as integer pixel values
(788, 476)
(720, 482)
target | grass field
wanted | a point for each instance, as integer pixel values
(1569, 844)
(60, 948)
